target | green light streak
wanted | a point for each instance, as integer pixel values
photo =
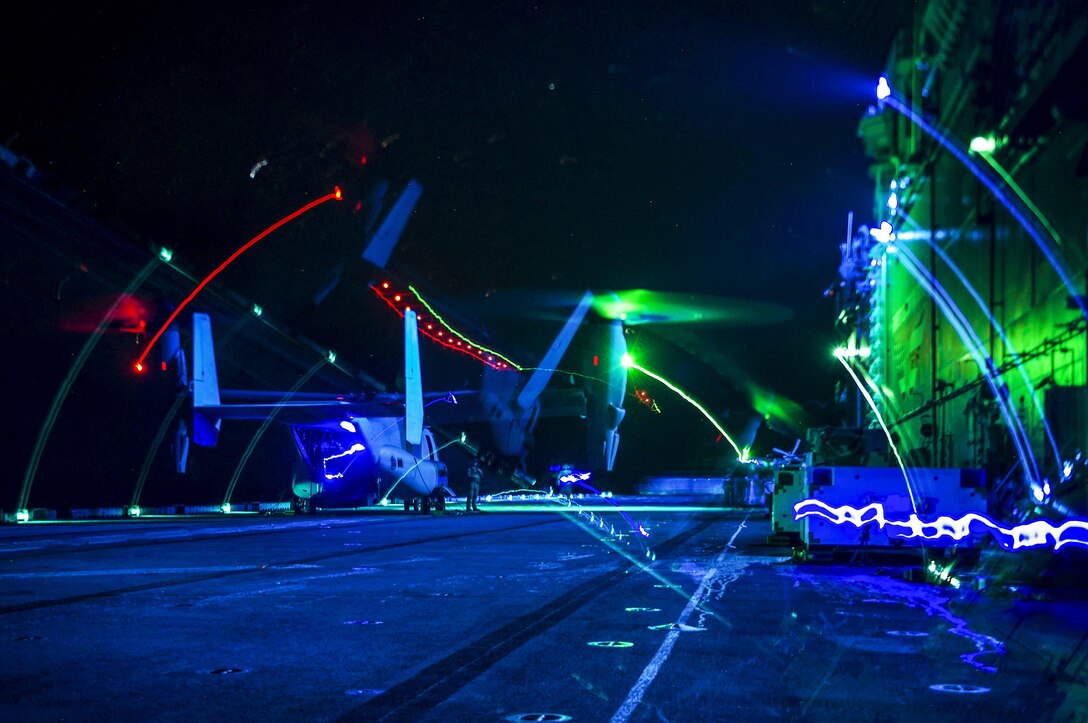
(630, 363)
(1021, 195)
(265, 424)
(645, 567)
(73, 372)
(438, 317)
(408, 471)
(565, 371)
(154, 448)
(883, 426)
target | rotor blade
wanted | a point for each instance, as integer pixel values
(413, 383)
(554, 355)
(640, 306)
(385, 238)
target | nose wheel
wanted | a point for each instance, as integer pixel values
(437, 502)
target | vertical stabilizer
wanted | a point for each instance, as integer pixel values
(413, 383)
(205, 382)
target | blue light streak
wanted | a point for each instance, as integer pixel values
(985, 363)
(1030, 534)
(995, 185)
(1004, 338)
(355, 448)
(580, 479)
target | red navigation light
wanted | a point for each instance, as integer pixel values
(139, 367)
(362, 160)
(596, 360)
(163, 365)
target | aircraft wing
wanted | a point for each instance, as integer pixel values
(469, 407)
(305, 412)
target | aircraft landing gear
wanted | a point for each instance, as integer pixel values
(302, 506)
(435, 502)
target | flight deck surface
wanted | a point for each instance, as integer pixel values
(531, 612)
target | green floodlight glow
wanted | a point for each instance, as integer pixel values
(629, 363)
(165, 255)
(331, 356)
(133, 511)
(225, 508)
(257, 310)
(22, 515)
(983, 144)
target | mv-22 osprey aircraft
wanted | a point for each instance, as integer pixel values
(360, 447)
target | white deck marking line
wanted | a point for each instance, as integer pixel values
(635, 696)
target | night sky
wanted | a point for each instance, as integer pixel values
(686, 147)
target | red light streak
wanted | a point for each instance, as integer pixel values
(336, 194)
(427, 328)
